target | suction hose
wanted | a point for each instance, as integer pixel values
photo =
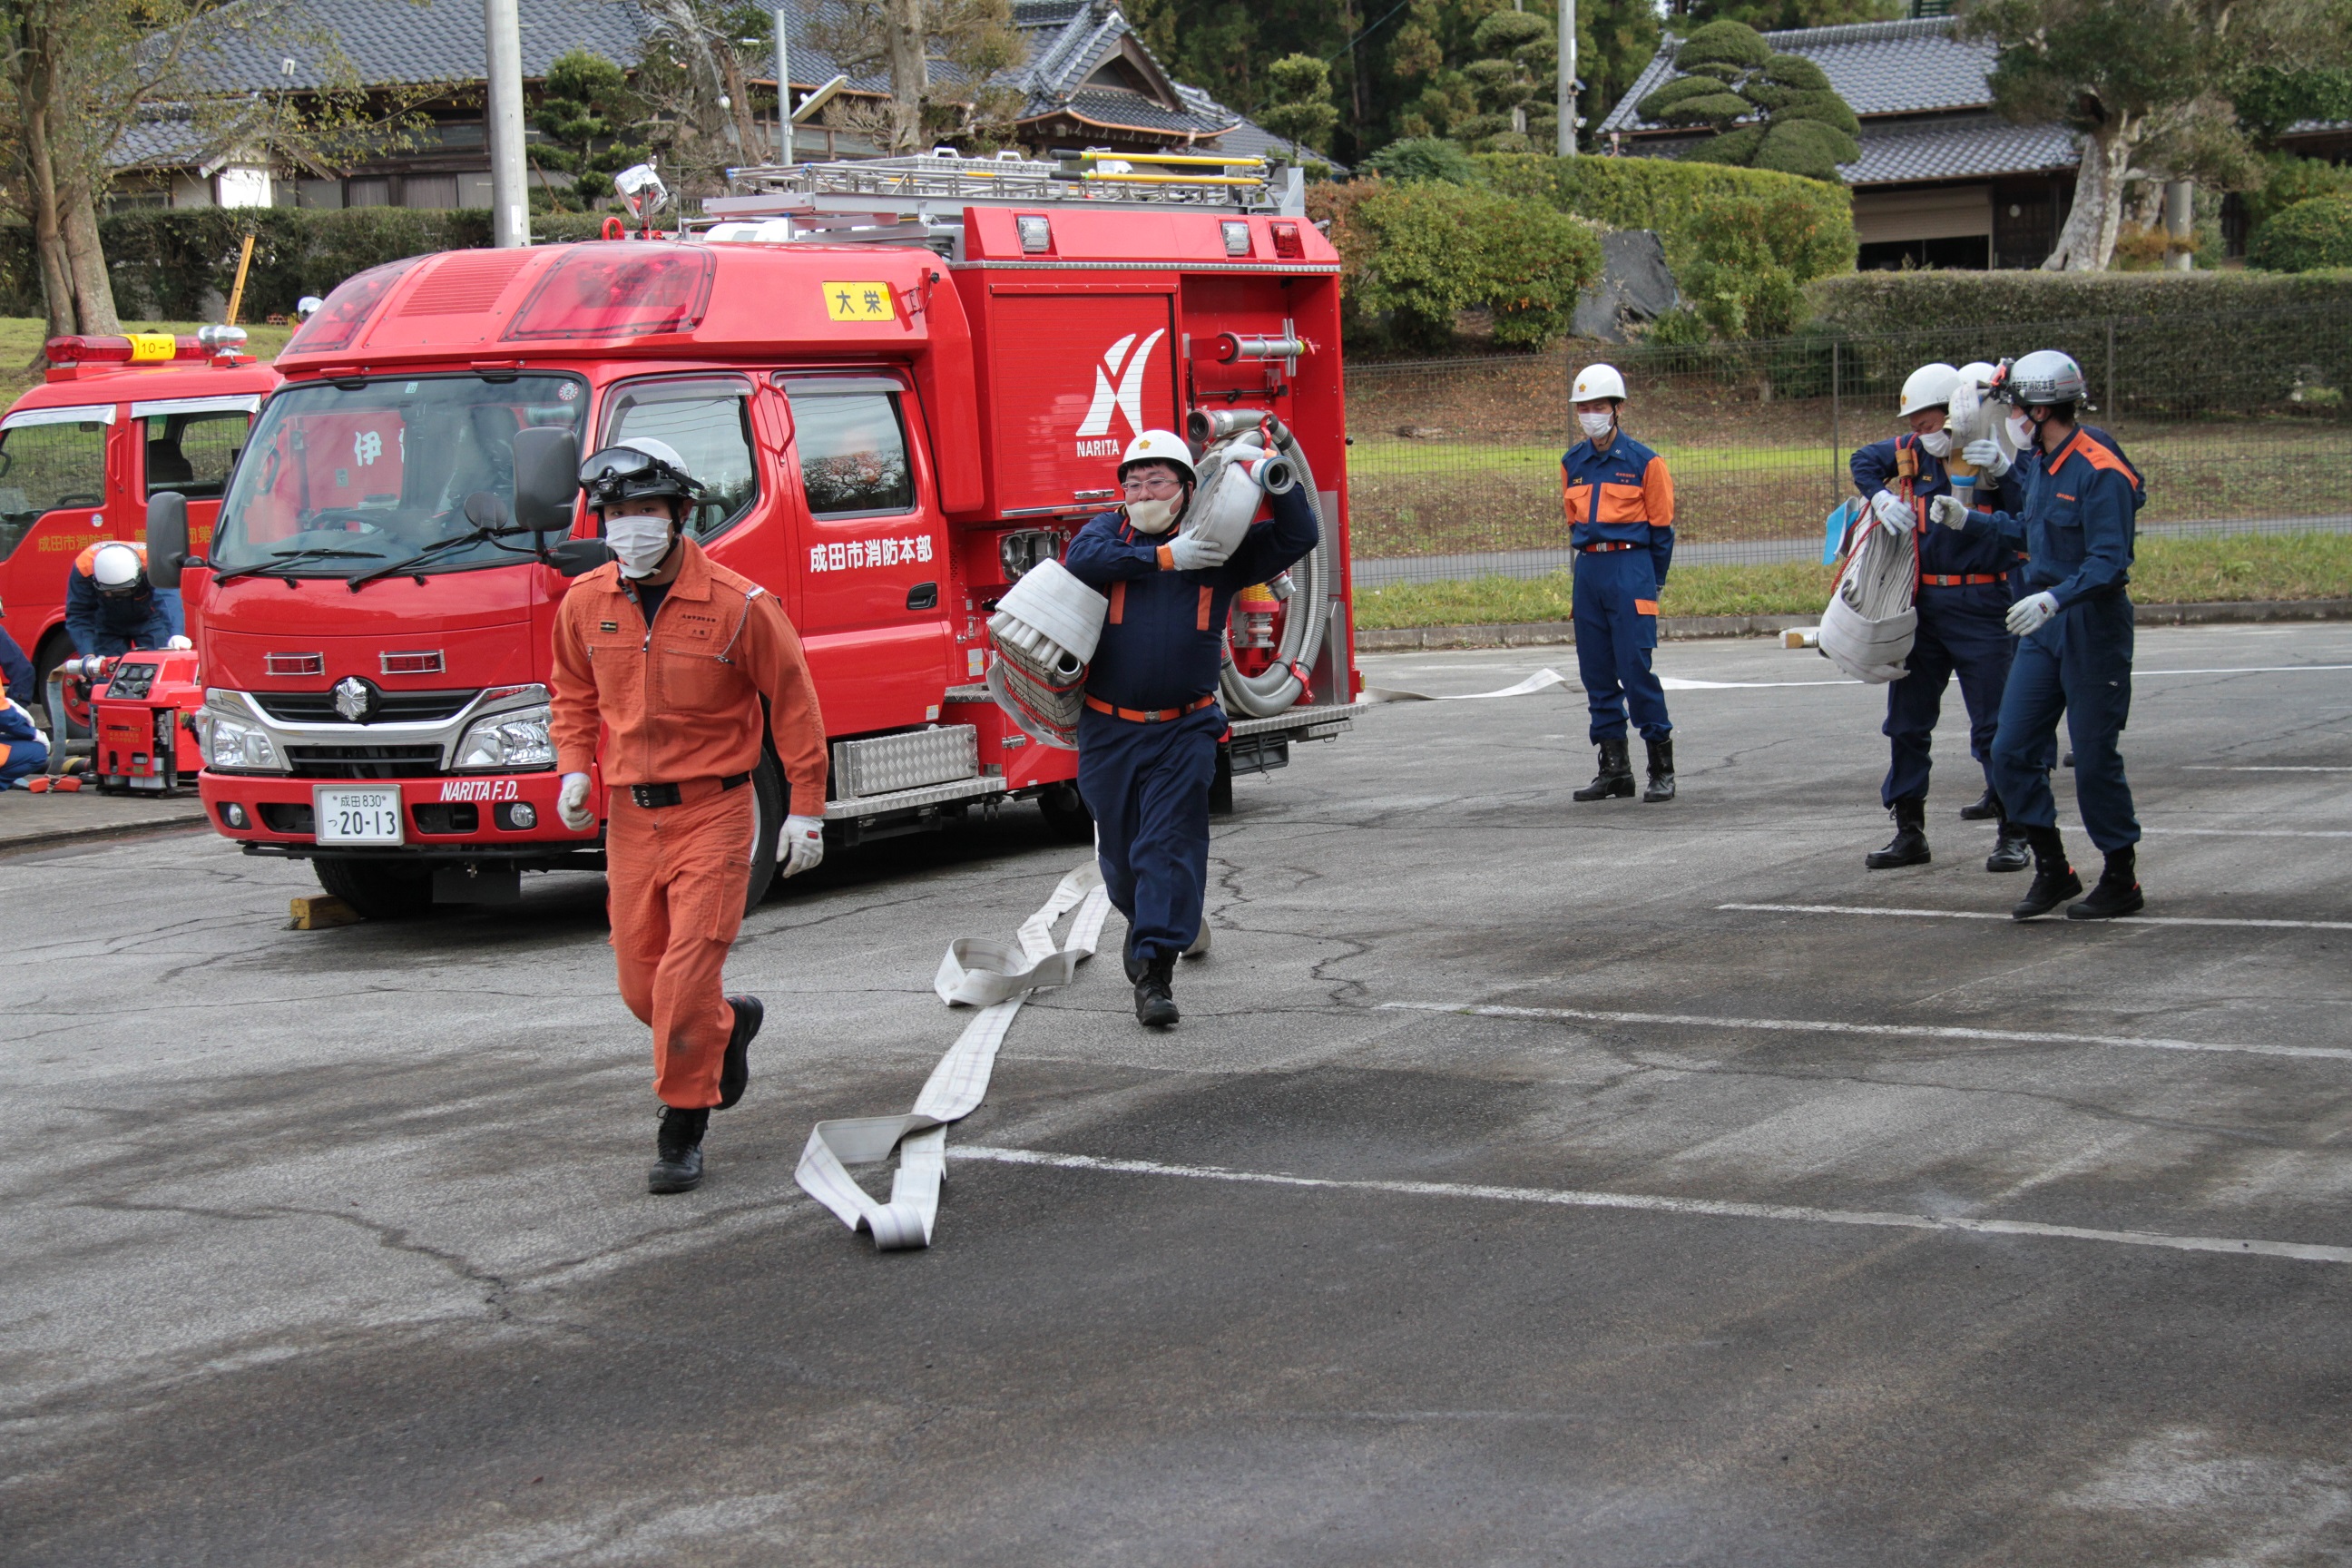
(1281, 686)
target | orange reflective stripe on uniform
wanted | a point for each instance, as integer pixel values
(1645, 606)
(1201, 618)
(1658, 494)
(1118, 602)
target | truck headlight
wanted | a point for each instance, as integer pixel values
(232, 741)
(514, 738)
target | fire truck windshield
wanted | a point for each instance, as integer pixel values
(337, 479)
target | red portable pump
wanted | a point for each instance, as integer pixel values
(143, 710)
(905, 382)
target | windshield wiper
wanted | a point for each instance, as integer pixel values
(420, 557)
(280, 561)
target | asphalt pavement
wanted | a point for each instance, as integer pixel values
(1770, 1212)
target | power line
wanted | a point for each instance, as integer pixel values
(1367, 32)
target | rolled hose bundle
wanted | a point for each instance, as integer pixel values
(1046, 629)
(1281, 686)
(1868, 627)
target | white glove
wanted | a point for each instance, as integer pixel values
(801, 846)
(178, 643)
(572, 804)
(1893, 513)
(1987, 457)
(1949, 511)
(2028, 614)
(1192, 552)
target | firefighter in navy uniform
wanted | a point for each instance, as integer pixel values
(1148, 738)
(2074, 654)
(1964, 594)
(1620, 503)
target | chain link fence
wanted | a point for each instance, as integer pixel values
(2239, 421)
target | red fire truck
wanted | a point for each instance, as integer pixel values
(117, 420)
(906, 383)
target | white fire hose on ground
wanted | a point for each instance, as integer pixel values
(996, 977)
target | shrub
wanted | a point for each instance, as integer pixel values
(1809, 230)
(1736, 280)
(1419, 253)
(1424, 158)
(2304, 238)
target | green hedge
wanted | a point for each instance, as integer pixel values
(1909, 301)
(164, 262)
(1420, 251)
(1678, 200)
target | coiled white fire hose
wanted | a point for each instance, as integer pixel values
(1869, 624)
(996, 977)
(1046, 629)
(1280, 686)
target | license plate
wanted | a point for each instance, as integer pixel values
(358, 815)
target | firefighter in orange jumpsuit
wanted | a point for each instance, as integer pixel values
(672, 655)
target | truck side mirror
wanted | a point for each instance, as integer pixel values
(575, 557)
(167, 538)
(547, 478)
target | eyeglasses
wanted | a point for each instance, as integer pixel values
(1155, 484)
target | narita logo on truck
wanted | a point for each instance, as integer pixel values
(859, 302)
(1128, 399)
(860, 552)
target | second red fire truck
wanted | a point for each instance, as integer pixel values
(906, 383)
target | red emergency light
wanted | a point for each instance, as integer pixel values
(622, 289)
(138, 348)
(339, 320)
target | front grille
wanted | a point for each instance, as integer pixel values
(365, 762)
(435, 817)
(392, 707)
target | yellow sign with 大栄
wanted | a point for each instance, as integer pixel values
(859, 302)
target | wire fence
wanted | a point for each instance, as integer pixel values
(2238, 421)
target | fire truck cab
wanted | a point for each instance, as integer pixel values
(117, 420)
(904, 383)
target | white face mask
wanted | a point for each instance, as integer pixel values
(1937, 442)
(641, 543)
(2021, 431)
(1597, 425)
(1153, 514)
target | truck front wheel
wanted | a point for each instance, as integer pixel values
(767, 826)
(1067, 815)
(379, 889)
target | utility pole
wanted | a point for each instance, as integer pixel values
(784, 89)
(502, 48)
(1567, 85)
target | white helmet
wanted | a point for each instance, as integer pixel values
(1978, 374)
(1930, 386)
(1598, 381)
(1160, 447)
(117, 568)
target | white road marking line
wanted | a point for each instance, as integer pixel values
(1712, 1208)
(1978, 915)
(1830, 1026)
(2248, 669)
(2251, 768)
(1680, 683)
(2258, 832)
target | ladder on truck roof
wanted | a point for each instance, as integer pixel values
(919, 200)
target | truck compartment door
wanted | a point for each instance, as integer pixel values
(1074, 377)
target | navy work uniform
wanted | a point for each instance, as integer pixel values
(2077, 528)
(1620, 513)
(1965, 589)
(1148, 738)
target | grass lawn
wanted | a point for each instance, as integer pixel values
(2168, 571)
(21, 338)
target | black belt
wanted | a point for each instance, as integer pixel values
(653, 797)
(1604, 548)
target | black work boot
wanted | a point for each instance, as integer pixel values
(735, 1067)
(2010, 852)
(1984, 809)
(1661, 771)
(2118, 892)
(2054, 881)
(677, 1151)
(1909, 845)
(1615, 778)
(1155, 1003)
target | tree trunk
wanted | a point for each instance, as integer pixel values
(93, 285)
(910, 76)
(37, 84)
(739, 98)
(2088, 241)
